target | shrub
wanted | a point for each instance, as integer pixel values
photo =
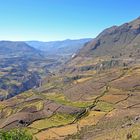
(15, 134)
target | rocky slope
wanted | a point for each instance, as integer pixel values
(115, 42)
(118, 46)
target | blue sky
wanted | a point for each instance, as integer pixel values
(48, 20)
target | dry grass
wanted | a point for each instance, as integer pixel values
(113, 98)
(120, 134)
(57, 133)
(92, 119)
(82, 80)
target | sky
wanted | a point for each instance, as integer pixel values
(48, 20)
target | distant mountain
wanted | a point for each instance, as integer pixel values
(66, 47)
(17, 49)
(116, 41)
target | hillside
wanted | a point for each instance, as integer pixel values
(90, 105)
(96, 95)
(115, 42)
(116, 46)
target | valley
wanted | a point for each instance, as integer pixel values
(91, 95)
(57, 115)
(22, 68)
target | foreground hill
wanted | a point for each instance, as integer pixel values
(90, 105)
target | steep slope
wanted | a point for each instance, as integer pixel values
(116, 41)
(115, 46)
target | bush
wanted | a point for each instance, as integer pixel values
(136, 138)
(16, 134)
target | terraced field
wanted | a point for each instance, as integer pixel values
(81, 107)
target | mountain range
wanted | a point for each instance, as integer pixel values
(66, 47)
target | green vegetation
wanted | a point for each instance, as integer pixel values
(38, 105)
(60, 98)
(7, 111)
(104, 106)
(136, 138)
(2, 106)
(58, 119)
(16, 134)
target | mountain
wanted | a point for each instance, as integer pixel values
(66, 47)
(17, 49)
(115, 42)
(115, 46)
